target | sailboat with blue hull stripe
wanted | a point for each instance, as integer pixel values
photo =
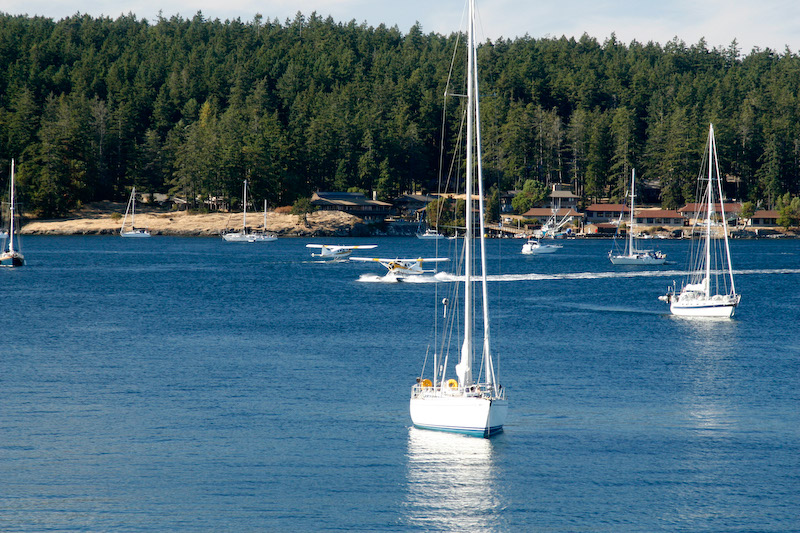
(472, 403)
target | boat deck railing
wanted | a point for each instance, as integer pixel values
(479, 390)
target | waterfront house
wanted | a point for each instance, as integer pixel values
(412, 206)
(506, 200)
(562, 197)
(354, 203)
(764, 219)
(600, 213)
(667, 218)
(732, 210)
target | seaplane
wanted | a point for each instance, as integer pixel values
(402, 268)
(337, 252)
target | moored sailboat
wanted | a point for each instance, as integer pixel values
(474, 403)
(245, 234)
(12, 256)
(131, 209)
(632, 254)
(709, 290)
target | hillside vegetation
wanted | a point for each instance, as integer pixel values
(92, 106)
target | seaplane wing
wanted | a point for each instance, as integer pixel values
(338, 251)
(403, 266)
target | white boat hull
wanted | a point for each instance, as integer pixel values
(135, 234)
(12, 259)
(637, 259)
(716, 306)
(536, 249)
(248, 237)
(470, 415)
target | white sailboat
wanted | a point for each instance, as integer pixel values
(709, 290)
(245, 235)
(633, 255)
(131, 209)
(12, 256)
(474, 403)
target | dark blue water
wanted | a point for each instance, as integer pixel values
(174, 384)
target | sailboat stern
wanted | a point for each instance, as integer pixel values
(720, 306)
(458, 413)
(12, 259)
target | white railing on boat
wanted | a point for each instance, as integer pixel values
(419, 390)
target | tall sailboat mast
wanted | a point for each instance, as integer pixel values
(709, 210)
(244, 207)
(630, 224)
(487, 353)
(464, 366)
(722, 211)
(11, 210)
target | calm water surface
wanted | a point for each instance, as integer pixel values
(173, 384)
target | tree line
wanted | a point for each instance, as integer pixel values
(90, 107)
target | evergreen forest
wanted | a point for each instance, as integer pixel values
(90, 107)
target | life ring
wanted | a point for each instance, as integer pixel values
(453, 384)
(427, 383)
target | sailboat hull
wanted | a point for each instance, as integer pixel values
(475, 416)
(136, 234)
(637, 259)
(716, 306)
(248, 237)
(12, 259)
(430, 236)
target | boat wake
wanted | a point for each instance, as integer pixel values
(390, 278)
(443, 276)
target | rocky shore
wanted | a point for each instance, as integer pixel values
(105, 218)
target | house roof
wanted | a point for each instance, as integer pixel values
(766, 213)
(563, 194)
(730, 207)
(658, 213)
(421, 198)
(619, 208)
(546, 212)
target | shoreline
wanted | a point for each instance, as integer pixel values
(105, 218)
(107, 221)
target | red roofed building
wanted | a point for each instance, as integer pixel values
(732, 209)
(765, 218)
